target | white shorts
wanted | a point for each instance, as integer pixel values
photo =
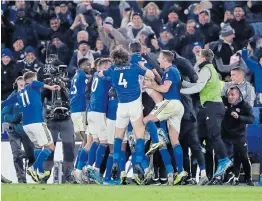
(170, 110)
(128, 112)
(38, 133)
(111, 129)
(79, 121)
(97, 125)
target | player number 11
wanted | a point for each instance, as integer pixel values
(122, 81)
(25, 98)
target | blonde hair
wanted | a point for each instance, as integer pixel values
(153, 5)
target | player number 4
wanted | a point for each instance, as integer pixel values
(25, 98)
(122, 81)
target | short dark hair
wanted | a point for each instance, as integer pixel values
(96, 62)
(135, 47)
(83, 61)
(120, 56)
(207, 54)
(168, 55)
(104, 61)
(28, 75)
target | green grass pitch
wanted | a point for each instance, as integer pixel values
(27, 192)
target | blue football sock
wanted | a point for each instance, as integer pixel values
(117, 149)
(152, 130)
(129, 127)
(133, 160)
(100, 154)
(122, 161)
(140, 150)
(41, 159)
(92, 153)
(145, 162)
(163, 126)
(82, 159)
(178, 153)
(78, 155)
(166, 159)
(37, 151)
(109, 165)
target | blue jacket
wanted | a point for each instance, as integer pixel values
(256, 68)
(13, 114)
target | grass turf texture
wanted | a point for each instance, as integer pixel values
(27, 192)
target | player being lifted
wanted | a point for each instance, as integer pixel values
(78, 106)
(97, 121)
(170, 109)
(29, 99)
(125, 81)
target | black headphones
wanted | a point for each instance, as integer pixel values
(15, 86)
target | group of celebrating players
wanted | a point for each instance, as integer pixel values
(113, 116)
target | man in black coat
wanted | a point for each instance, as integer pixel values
(233, 130)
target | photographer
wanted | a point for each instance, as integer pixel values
(59, 122)
(12, 117)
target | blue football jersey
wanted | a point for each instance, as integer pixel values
(99, 94)
(78, 102)
(136, 57)
(173, 75)
(29, 99)
(112, 108)
(125, 81)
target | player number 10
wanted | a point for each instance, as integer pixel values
(122, 81)
(25, 98)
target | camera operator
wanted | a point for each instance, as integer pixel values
(12, 117)
(58, 120)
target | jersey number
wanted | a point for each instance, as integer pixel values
(94, 84)
(122, 81)
(74, 90)
(25, 99)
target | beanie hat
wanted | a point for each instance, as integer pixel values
(30, 49)
(136, 13)
(109, 20)
(173, 9)
(227, 30)
(7, 52)
(164, 28)
(197, 44)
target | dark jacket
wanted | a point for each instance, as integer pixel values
(155, 24)
(243, 32)
(210, 32)
(231, 127)
(12, 114)
(62, 52)
(9, 73)
(256, 68)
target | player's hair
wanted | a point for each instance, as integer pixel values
(168, 55)
(207, 54)
(28, 75)
(15, 86)
(104, 61)
(135, 47)
(84, 61)
(96, 62)
(120, 56)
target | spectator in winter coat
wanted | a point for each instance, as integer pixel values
(176, 27)
(65, 15)
(31, 63)
(208, 29)
(9, 73)
(19, 49)
(110, 36)
(27, 29)
(191, 36)
(12, 11)
(101, 47)
(136, 26)
(60, 49)
(256, 68)
(238, 79)
(243, 30)
(82, 52)
(151, 17)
